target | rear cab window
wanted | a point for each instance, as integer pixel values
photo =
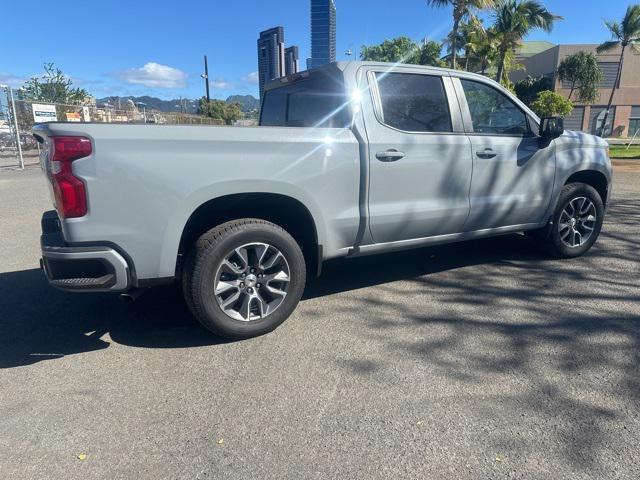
(311, 102)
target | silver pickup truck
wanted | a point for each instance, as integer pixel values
(351, 159)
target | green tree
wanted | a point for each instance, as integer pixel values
(624, 34)
(483, 48)
(429, 54)
(550, 104)
(54, 87)
(513, 20)
(528, 89)
(462, 10)
(403, 50)
(581, 70)
(229, 113)
(469, 31)
(232, 113)
(396, 50)
(463, 41)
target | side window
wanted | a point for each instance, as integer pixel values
(317, 102)
(274, 109)
(492, 111)
(316, 108)
(414, 102)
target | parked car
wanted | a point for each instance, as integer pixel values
(351, 159)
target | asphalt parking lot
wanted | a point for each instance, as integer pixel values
(477, 360)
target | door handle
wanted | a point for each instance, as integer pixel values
(486, 153)
(389, 155)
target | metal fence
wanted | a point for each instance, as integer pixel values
(19, 148)
(10, 154)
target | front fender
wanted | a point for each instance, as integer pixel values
(579, 152)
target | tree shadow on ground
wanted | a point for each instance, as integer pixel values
(566, 332)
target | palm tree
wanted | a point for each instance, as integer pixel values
(462, 9)
(483, 47)
(459, 41)
(475, 38)
(467, 34)
(625, 34)
(514, 19)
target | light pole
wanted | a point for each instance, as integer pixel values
(16, 128)
(205, 76)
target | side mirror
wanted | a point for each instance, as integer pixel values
(551, 128)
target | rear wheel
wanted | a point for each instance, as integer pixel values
(576, 223)
(244, 278)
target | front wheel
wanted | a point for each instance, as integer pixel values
(244, 278)
(576, 223)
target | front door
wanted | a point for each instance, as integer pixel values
(513, 174)
(420, 158)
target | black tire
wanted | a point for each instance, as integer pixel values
(550, 237)
(199, 276)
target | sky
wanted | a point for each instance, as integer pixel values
(156, 48)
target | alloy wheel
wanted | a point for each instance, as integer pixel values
(577, 222)
(252, 281)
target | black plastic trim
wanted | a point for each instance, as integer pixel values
(155, 282)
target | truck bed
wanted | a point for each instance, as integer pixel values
(144, 181)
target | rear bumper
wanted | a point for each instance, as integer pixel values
(80, 268)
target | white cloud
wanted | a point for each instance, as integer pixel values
(154, 75)
(251, 78)
(222, 84)
(12, 80)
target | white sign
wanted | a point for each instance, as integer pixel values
(85, 114)
(44, 113)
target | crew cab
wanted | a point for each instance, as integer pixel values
(351, 159)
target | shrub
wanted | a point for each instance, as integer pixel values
(551, 104)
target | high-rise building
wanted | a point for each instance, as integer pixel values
(291, 60)
(323, 33)
(270, 56)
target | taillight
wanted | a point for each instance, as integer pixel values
(69, 190)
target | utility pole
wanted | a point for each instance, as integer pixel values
(205, 75)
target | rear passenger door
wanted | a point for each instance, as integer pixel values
(419, 157)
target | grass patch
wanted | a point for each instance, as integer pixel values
(620, 151)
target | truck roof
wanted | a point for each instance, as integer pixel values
(337, 68)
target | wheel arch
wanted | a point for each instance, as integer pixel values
(594, 178)
(287, 212)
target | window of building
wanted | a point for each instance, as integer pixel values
(575, 119)
(492, 112)
(634, 121)
(610, 73)
(414, 102)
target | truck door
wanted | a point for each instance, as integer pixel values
(419, 157)
(513, 174)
